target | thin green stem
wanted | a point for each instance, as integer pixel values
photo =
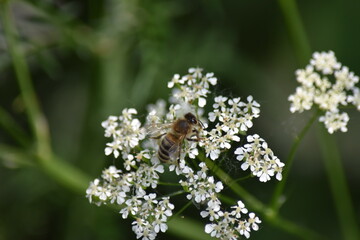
(37, 120)
(169, 184)
(279, 189)
(174, 193)
(15, 157)
(243, 178)
(330, 151)
(74, 32)
(253, 202)
(65, 174)
(283, 224)
(59, 170)
(296, 30)
(338, 185)
(295, 229)
(188, 204)
(13, 129)
(256, 205)
(187, 229)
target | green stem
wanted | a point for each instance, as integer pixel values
(279, 189)
(283, 224)
(75, 33)
(188, 204)
(234, 186)
(13, 129)
(296, 30)
(65, 174)
(294, 229)
(256, 205)
(14, 157)
(187, 229)
(57, 169)
(174, 194)
(330, 151)
(169, 184)
(243, 178)
(37, 120)
(338, 185)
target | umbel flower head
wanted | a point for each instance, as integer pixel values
(134, 188)
(328, 85)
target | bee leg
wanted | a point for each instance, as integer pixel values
(193, 139)
(197, 139)
(180, 148)
(158, 137)
(178, 158)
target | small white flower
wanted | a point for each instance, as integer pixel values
(210, 229)
(355, 98)
(114, 148)
(129, 162)
(175, 80)
(335, 121)
(253, 221)
(120, 198)
(103, 193)
(252, 106)
(220, 102)
(240, 208)
(92, 190)
(202, 102)
(244, 228)
(110, 174)
(302, 99)
(159, 226)
(325, 62)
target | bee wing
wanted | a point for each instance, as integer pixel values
(155, 130)
(174, 151)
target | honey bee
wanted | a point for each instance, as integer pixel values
(170, 143)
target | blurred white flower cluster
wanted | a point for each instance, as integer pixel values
(328, 85)
(134, 189)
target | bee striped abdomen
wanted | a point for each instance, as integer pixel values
(166, 144)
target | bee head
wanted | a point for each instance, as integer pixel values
(191, 118)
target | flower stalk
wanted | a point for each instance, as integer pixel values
(37, 120)
(331, 156)
(338, 185)
(276, 202)
(64, 173)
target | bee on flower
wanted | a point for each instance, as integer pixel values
(173, 133)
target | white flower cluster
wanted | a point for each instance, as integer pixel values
(125, 131)
(203, 190)
(194, 87)
(127, 189)
(232, 117)
(260, 159)
(131, 188)
(329, 85)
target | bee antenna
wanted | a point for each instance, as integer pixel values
(201, 124)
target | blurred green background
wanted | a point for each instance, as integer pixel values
(90, 59)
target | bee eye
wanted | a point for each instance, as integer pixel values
(191, 118)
